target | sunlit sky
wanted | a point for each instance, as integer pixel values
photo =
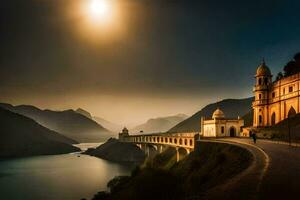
(131, 60)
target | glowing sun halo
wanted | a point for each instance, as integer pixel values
(100, 10)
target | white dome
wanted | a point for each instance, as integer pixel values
(218, 114)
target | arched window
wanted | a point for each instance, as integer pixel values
(266, 81)
(273, 119)
(259, 81)
(185, 141)
(175, 141)
(166, 140)
(170, 140)
(292, 112)
(180, 141)
(191, 142)
(260, 119)
(161, 139)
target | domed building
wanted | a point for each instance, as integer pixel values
(219, 126)
(274, 101)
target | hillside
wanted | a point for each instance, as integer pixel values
(116, 151)
(84, 112)
(105, 123)
(248, 118)
(231, 107)
(68, 122)
(22, 136)
(160, 124)
(194, 177)
(108, 125)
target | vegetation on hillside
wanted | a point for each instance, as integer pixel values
(162, 178)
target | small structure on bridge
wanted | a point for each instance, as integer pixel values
(219, 126)
(123, 134)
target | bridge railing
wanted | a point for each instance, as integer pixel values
(175, 139)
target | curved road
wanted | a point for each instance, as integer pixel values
(275, 173)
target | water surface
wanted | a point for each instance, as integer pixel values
(55, 177)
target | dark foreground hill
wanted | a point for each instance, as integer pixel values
(232, 108)
(116, 151)
(162, 178)
(22, 136)
(68, 122)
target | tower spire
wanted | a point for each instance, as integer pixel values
(263, 61)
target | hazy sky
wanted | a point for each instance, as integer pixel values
(143, 58)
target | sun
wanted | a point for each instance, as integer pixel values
(100, 10)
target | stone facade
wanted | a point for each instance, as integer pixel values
(219, 126)
(274, 101)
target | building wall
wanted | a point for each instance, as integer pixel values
(213, 128)
(209, 128)
(279, 98)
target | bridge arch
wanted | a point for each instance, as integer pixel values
(181, 153)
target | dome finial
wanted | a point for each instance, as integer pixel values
(263, 69)
(263, 61)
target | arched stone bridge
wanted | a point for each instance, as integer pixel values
(182, 142)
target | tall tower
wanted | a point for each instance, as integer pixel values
(261, 93)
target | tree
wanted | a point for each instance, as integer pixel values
(297, 57)
(279, 76)
(289, 68)
(293, 66)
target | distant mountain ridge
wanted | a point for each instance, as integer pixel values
(232, 108)
(160, 124)
(109, 125)
(85, 113)
(22, 136)
(105, 123)
(68, 122)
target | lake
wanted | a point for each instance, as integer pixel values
(56, 177)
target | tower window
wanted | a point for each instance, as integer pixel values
(266, 81)
(259, 81)
(259, 96)
(222, 129)
(283, 90)
(260, 119)
(291, 89)
(273, 95)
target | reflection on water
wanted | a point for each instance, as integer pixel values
(85, 146)
(56, 177)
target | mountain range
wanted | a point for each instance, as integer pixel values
(22, 136)
(232, 108)
(160, 124)
(68, 123)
